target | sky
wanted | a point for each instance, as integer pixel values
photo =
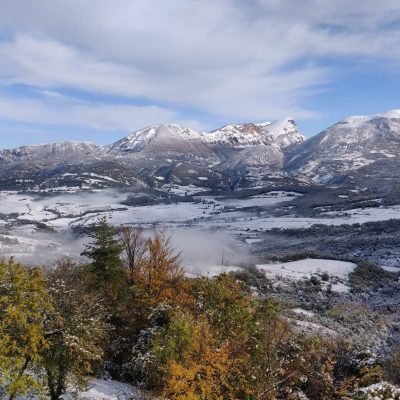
(96, 70)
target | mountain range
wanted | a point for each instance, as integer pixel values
(230, 158)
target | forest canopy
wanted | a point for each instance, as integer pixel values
(132, 314)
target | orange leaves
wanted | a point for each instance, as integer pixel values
(203, 371)
(159, 277)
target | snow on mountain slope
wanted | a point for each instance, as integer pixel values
(60, 150)
(258, 156)
(155, 150)
(61, 166)
(160, 145)
(138, 140)
(282, 133)
(154, 155)
(347, 146)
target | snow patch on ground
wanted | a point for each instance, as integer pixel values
(309, 266)
(303, 312)
(109, 390)
(311, 328)
(304, 269)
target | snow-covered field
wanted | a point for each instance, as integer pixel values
(235, 218)
(264, 200)
(308, 267)
(304, 269)
(65, 210)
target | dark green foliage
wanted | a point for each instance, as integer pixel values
(325, 277)
(369, 276)
(315, 280)
(252, 277)
(104, 251)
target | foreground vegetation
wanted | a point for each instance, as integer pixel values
(133, 315)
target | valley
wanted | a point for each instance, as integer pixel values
(264, 187)
(313, 224)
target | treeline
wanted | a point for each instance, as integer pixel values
(132, 314)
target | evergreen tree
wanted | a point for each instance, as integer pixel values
(105, 251)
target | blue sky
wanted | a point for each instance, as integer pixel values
(97, 70)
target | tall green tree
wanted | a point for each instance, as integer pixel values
(23, 309)
(106, 267)
(106, 277)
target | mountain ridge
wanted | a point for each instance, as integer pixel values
(227, 157)
(348, 145)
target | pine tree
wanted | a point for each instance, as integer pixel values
(106, 266)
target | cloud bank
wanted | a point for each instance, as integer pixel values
(125, 64)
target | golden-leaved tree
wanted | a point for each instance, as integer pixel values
(159, 278)
(23, 309)
(201, 370)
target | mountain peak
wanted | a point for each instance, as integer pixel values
(358, 120)
(348, 145)
(282, 133)
(281, 127)
(139, 139)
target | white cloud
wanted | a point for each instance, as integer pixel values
(62, 110)
(236, 60)
(241, 91)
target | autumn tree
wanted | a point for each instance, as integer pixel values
(178, 357)
(159, 278)
(76, 330)
(23, 310)
(198, 370)
(260, 346)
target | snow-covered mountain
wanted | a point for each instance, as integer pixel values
(61, 165)
(61, 150)
(282, 134)
(262, 146)
(152, 156)
(168, 137)
(347, 146)
(227, 158)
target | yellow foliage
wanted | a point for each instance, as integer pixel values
(159, 277)
(23, 308)
(203, 372)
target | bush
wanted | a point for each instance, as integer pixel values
(369, 276)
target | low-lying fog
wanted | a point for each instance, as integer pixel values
(201, 251)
